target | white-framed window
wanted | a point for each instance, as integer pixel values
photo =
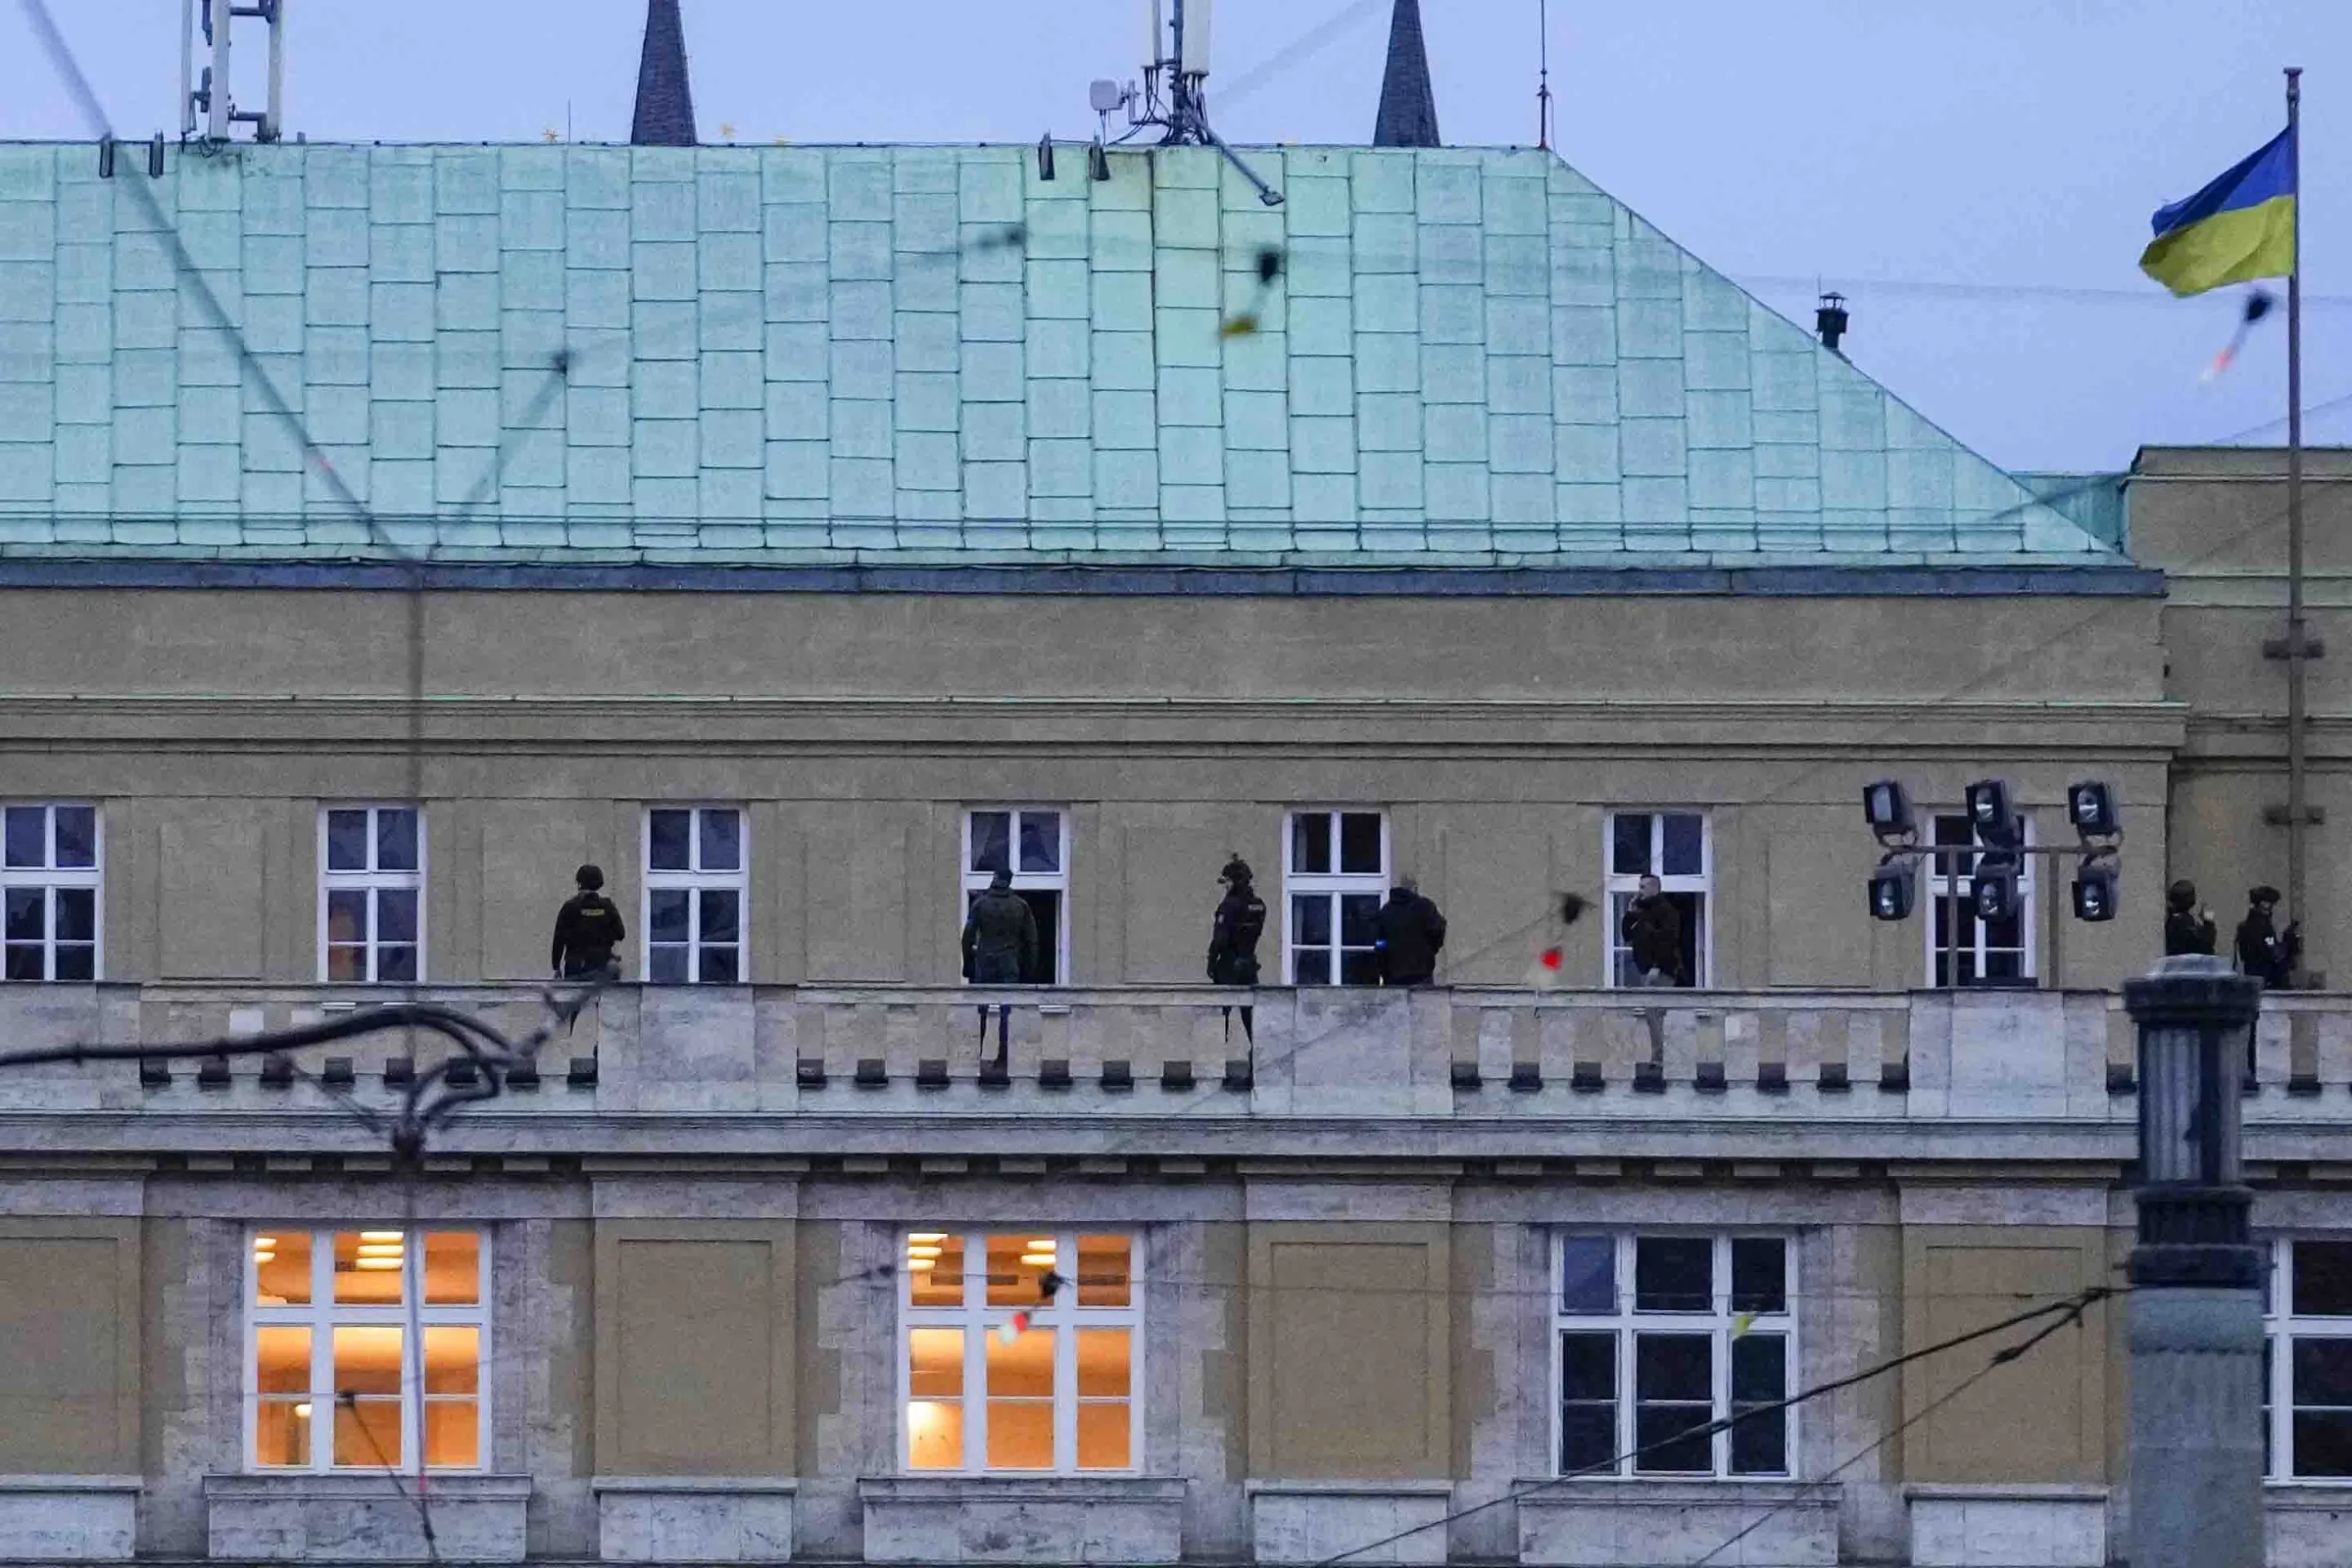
(1991, 952)
(371, 894)
(2307, 1360)
(999, 1372)
(1033, 843)
(50, 864)
(698, 886)
(335, 1377)
(1335, 872)
(1678, 849)
(1659, 1334)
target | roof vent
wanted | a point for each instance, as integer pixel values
(1830, 321)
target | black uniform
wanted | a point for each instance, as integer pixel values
(2186, 931)
(1233, 937)
(2265, 952)
(1409, 935)
(586, 930)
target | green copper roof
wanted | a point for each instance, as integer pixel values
(838, 353)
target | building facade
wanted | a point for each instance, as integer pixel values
(803, 535)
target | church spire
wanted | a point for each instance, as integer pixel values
(1408, 116)
(665, 115)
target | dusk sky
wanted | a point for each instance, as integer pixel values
(1976, 177)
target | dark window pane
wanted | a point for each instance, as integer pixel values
(666, 965)
(1359, 966)
(27, 918)
(1760, 1444)
(77, 960)
(1588, 1366)
(1311, 966)
(1954, 829)
(667, 914)
(396, 964)
(396, 840)
(347, 841)
(723, 840)
(2323, 1371)
(1587, 1438)
(1759, 1370)
(1357, 912)
(1674, 1439)
(1310, 920)
(395, 914)
(1671, 1367)
(1673, 1274)
(1759, 1274)
(1041, 841)
(76, 914)
(716, 966)
(669, 840)
(1359, 841)
(2004, 966)
(24, 961)
(721, 916)
(1629, 844)
(1587, 1274)
(2323, 1278)
(2323, 1443)
(1684, 835)
(1310, 841)
(27, 836)
(347, 915)
(991, 841)
(76, 836)
(345, 964)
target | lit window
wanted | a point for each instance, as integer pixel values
(697, 890)
(335, 1377)
(1991, 952)
(1674, 847)
(1335, 874)
(49, 866)
(1034, 845)
(1659, 1336)
(2307, 1360)
(371, 894)
(1003, 1372)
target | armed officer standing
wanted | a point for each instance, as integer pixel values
(587, 929)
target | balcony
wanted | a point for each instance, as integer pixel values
(1496, 1073)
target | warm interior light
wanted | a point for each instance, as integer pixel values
(379, 1248)
(384, 1236)
(265, 1256)
(924, 1250)
(925, 1237)
(1037, 1259)
(302, 1410)
(259, 1242)
(1043, 1244)
(378, 1264)
(922, 1265)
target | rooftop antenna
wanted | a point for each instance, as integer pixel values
(207, 105)
(1543, 73)
(1174, 95)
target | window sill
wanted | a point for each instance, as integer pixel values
(2045, 1526)
(954, 1519)
(68, 1519)
(2305, 1522)
(694, 1519)
(1602, 1522)
(364, 1515)
(1312, 1520)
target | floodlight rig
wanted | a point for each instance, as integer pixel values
(1175, 67)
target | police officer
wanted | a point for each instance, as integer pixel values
(586, 930)
(1407, 935)
(1233, 939)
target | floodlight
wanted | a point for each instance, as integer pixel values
(1893, 889)
(2095, 890)
(1992, 812)
(1994, 886)
(2090, 806)
(1887, 805)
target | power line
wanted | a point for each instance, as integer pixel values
(1303, 47)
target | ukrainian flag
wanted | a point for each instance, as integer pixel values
(2240, 227)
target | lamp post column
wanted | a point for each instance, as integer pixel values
(2196, 1310)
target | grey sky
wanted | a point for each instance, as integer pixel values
(1975, 143)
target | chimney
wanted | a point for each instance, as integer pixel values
(665, 116)
(1830, 321)
(1408, 116)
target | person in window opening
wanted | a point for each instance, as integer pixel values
(2265, 952)
(1233, 939)
(1408, 933)
(2187, 928)
(1651, 928)
(587, 929)
(1000, 946)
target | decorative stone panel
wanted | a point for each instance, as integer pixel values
(68, 1519)
(694, 1519)
(1308, 1521)
(992, 1518)
(2009, 1526)
(2306, 1527)
(365, 1517)
(1605, 1524)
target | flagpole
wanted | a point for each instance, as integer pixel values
(2297, 646)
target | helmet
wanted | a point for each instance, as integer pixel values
(590, 876)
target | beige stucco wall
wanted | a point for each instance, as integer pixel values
(70, 1316)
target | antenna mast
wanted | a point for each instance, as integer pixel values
(1178, 61)
(207, 107)
(1543, 73)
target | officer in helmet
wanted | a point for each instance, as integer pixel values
(586, 930)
